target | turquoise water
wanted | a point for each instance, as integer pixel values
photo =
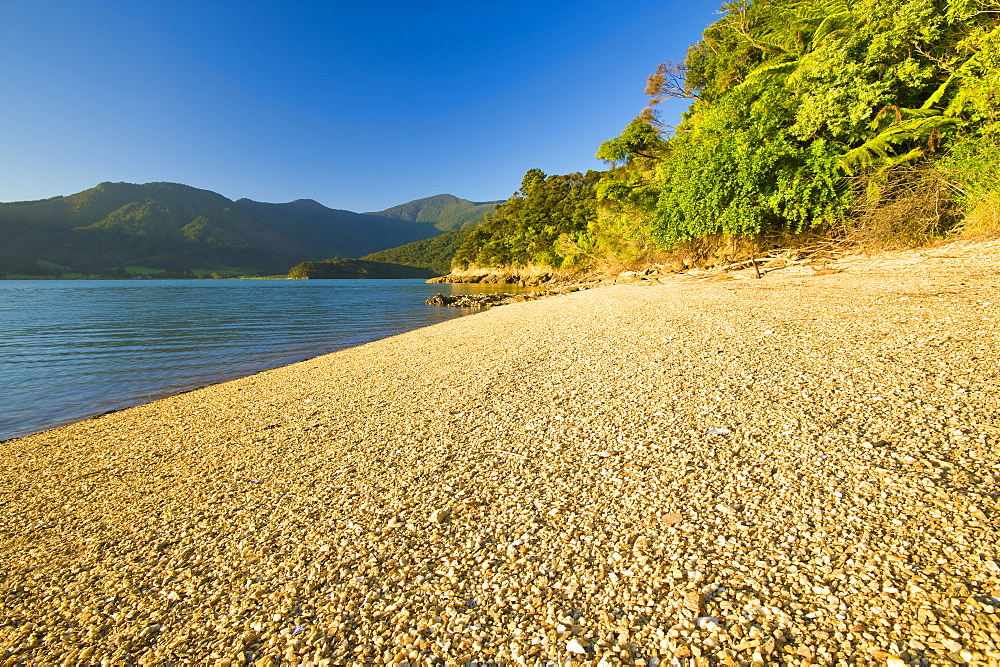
(74, 349)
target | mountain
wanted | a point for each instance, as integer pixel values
(446, 212)
(434, 253)
(179, 229)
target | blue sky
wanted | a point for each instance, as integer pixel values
(359, 105)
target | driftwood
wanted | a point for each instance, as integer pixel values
(788, 257)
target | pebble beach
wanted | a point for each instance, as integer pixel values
(701, 469)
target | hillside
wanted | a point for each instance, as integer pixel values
(434, 253)
(445, 212)
(355, 268)
(178, 228)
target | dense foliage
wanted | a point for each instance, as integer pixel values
(545, 222)
(794, 102)
(355, 268)
(804, 115)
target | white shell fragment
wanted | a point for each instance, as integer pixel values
(708, 623)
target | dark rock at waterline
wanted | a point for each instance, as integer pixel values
(438, 300)
(486, 300)
(503, 298)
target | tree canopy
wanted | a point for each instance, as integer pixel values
(802, 113)
(543, 223)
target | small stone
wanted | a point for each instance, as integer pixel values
(440, 515)
(952, 645)
(574, 646)
(893, 661)
(708, 623)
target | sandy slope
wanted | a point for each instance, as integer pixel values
(547, 481)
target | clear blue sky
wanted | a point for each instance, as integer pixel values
(359, 105)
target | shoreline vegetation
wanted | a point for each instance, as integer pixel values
(704, 467)
(811, 128)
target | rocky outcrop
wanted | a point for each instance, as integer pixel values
(535, 275)
(497, 278)
(488, 300)
(558, 285)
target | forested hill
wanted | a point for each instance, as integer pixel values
(872, 122)
(180, 229)
(447, 212)
(435, 254)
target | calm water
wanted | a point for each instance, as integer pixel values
(74, 349)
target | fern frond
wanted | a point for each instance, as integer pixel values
(831, 25)
(879, 149)
(773, 68)
(900, 115)
(935, 98)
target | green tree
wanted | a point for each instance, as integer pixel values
(545, 222)
(789, 98)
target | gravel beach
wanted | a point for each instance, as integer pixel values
(699, 470)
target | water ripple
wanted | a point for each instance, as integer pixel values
(78, 348)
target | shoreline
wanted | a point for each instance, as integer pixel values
(50, 406)
(801, 468)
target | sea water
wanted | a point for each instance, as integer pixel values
(74, 349)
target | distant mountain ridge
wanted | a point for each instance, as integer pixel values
(180, 229)
(446, 212)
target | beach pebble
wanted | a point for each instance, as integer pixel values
(708, 623)
(440, 515)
